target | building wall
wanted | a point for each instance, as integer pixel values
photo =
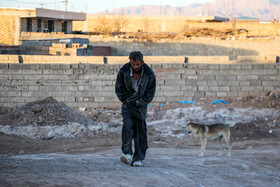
(92, 85)
(7, 30)
(44, 24)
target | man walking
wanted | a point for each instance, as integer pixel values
(135, 88)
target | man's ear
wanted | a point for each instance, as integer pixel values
(143, 62)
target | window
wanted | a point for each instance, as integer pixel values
(39, 25)
(51, 25)
(64, 27)
(29, 25)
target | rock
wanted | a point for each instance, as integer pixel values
(36, 108)
(82, 109)
(51, 135)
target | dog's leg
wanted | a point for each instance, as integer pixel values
(220, 143)
(203, 144)
(227, 140)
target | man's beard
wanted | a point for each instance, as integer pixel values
(137, 72)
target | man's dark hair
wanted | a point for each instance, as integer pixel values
(136, 55)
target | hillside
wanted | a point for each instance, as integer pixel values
(262, 9)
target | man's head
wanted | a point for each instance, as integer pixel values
(136, 61)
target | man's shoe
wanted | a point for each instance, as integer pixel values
(126, 158)
(137, 163)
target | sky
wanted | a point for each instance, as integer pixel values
(93, 6)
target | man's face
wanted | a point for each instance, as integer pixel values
(136, 65)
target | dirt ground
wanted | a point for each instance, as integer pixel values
(92, 159)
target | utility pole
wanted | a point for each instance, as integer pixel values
(66, 2)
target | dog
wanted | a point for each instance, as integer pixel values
(211, 132)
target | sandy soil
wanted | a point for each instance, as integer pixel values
(89, 158)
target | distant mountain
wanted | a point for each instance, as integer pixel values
(262, 9)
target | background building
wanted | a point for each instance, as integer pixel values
(13, 21)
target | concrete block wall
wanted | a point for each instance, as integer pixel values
(167, 47)
(193, 47)
(92, 85)
(45, 59)
(75, 50)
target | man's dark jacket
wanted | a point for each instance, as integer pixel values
(135, 104)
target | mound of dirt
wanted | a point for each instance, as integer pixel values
(251, 131)
(46, 112)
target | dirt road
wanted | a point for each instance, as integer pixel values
(37, 151)
(94, 161)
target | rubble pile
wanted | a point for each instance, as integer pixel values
(46, 112)
(47, 119)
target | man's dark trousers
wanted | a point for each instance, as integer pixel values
(134, 128)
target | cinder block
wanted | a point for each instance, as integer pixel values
(175, 82)
(213, 88)
(210, 94)
(225, 66)
(231, 77)
(212, 83)
(247, 66)
(4, 66)
(213, 66)
(220, 78)
(168, 93)
(99, 99)
(207, 77)
(252, 88)
(5, 71)
(256, 83)
(178, 66)
(56, 94)
(191, 83)
(189, 93)
(201, 83)
(178, 93)
(235, 66)
(232, 94)
(160, 99)
(272, 72)
(224, 88)
(222, 94)
(244, 83)
(202, 88)
(190, 77)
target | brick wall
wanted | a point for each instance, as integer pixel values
(92, 85)
(7, 29)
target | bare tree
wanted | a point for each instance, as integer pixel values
(120, 21)
(104, 25)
